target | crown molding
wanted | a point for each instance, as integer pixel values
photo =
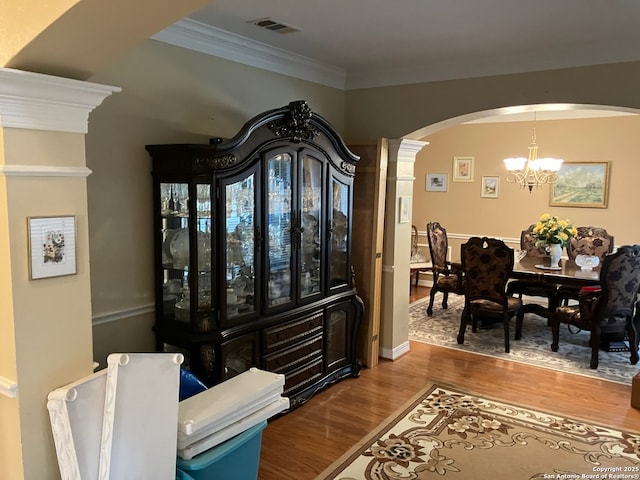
(44, 102)
(203, 38)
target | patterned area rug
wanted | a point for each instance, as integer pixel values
(534, 349)
(446, 432)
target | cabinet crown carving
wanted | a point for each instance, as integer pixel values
(297, 125)
(216, 162)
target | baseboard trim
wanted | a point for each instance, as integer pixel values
(395, 353)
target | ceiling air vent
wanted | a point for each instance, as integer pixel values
(274, 25)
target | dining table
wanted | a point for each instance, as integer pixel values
(537, 269)
(567, 273)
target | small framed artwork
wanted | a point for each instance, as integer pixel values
(490, 187)
(463, 169)
(52, 246)
(437, 182)
(405, 209)
(581, 185)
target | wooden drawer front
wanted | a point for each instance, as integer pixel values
(302, 377)
(282, 335)
(291, 358)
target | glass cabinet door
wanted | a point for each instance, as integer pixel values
(337, 335)
(278, 224)
(240, 199)
(311, 241)
(175, 251)
(339, 224)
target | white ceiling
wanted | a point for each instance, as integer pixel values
(393, 41)
(365, 43)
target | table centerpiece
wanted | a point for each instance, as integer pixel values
(553, 234)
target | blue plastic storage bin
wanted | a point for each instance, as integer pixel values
(237, 458)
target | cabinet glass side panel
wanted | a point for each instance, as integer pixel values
(279, 197)
(337, 337)
(310, 271)
(340, 221)
(240, 261)
(204, 251)
(175, 251)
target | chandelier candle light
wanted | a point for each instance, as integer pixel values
(533, 171)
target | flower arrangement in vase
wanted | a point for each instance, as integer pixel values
(554, 234)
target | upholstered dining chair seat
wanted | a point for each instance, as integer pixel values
(488, 307)
(612, 323)
(449, 282)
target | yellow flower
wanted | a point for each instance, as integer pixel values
(551, 230)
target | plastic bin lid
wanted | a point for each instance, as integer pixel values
(220, 401)
(215, 454)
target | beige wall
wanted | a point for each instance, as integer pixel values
(169, 95)
(463, 212)
(403, 110)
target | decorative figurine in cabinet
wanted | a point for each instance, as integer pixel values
(253, 252)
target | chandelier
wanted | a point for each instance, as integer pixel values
(533, 171)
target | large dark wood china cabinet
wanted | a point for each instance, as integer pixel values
(253, 252)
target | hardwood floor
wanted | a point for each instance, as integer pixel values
(302, 443)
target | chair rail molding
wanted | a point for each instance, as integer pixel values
(8, 388)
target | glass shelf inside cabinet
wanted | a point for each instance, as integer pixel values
(240, 262)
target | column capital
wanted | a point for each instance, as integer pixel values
(45, 102)
(404, 149)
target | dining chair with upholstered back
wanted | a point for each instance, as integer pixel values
(532, 288)
(447, 278)
(588, 241)
(608, 308)
(487, 264)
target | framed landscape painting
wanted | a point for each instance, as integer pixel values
(581, 185)
(490, 187)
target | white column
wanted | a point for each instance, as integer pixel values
(394, 330)
(45, 324)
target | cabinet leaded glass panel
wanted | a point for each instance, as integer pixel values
(279, 205)
(311, 250)
(340, 221)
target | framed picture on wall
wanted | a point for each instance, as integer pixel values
(463, 169)
(52, 246)
(490, 187)
(437, 182)
(581, 185)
